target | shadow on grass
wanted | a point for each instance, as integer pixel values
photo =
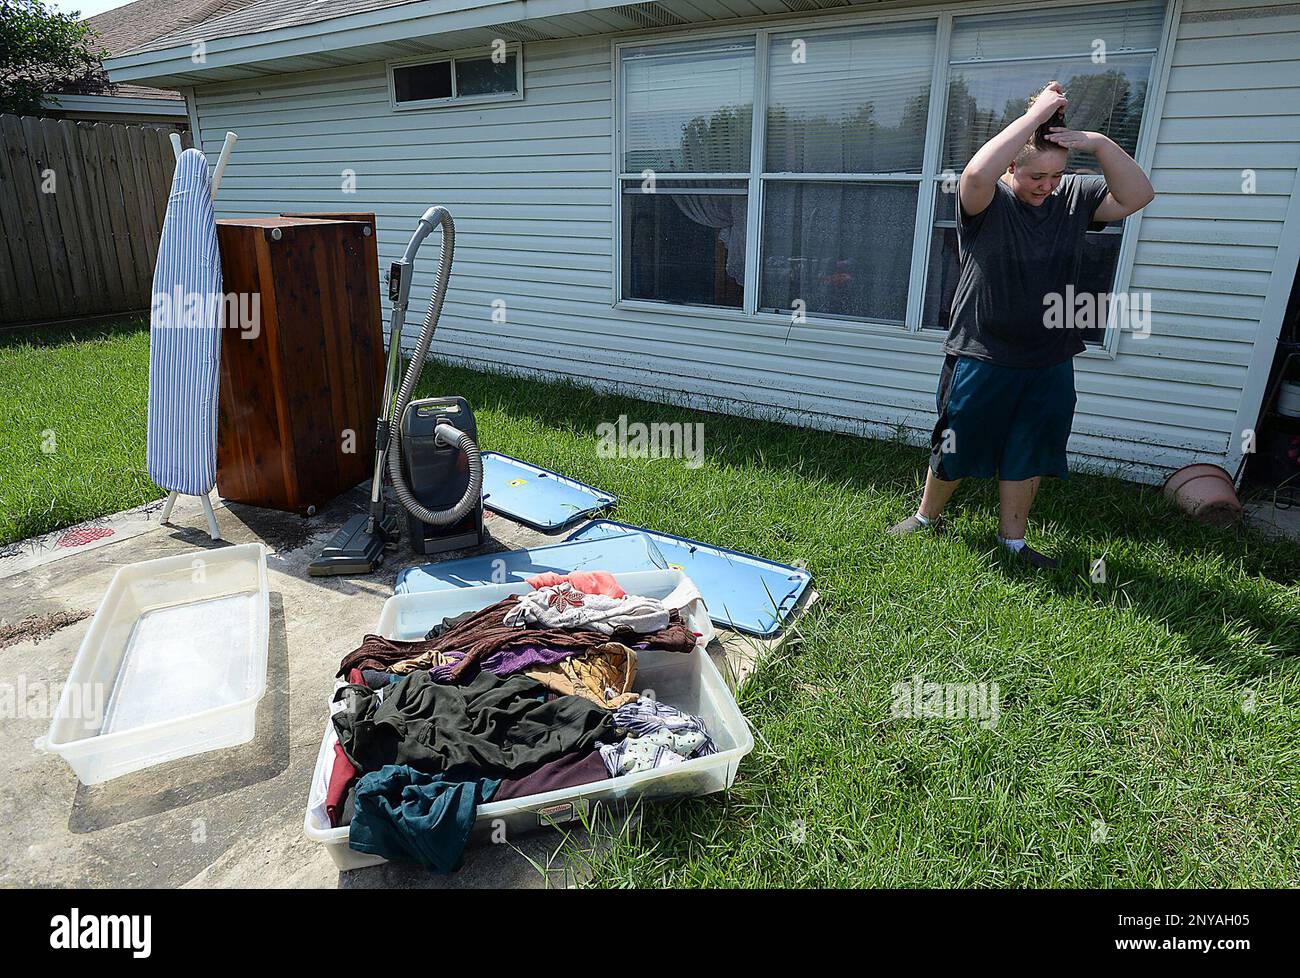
(1087, 506)
(1210, 618)
(73, 332)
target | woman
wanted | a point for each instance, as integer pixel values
(1006, 391)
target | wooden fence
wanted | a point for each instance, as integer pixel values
(81, 211)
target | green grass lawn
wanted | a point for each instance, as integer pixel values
(72, 444)
(1148, 726)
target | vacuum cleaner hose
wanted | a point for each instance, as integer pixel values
(448, 435)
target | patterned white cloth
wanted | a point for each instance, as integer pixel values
(637, 754)
(185, 337)
(564, 606)
(645, 716)
(658, 735)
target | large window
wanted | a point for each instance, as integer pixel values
(685, 183)
(804, 172)
(1102, 56)
(845, 141)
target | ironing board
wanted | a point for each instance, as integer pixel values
(185, 340)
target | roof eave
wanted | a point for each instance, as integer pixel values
(255, 53)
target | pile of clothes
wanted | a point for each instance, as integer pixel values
(533, 693)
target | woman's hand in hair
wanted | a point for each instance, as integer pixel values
(979, 180)
(1048, 102)
(1076, 139)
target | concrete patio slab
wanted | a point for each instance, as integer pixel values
(232, 817)
(1274, 518)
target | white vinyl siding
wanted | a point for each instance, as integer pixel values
(1206, 251)
(530, 185)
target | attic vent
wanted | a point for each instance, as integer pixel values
(518, 32)
(416, 48)
(650, 15)
(802, 4)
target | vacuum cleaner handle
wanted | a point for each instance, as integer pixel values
(428, 221)
(399, 273)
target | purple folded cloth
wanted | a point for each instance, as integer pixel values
(505, 662)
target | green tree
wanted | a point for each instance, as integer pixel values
(719, 143)
(42, 51)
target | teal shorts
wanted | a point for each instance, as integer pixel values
(1010, 423)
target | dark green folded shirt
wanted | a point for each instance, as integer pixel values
(488, 728)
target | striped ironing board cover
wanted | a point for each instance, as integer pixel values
(185, 337)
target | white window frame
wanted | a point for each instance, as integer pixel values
(469, 54)
(891, 178)
(943, 15)
(704, 178)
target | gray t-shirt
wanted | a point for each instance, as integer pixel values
(1013, 256)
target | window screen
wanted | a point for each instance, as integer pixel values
(849, 101)
(483, 76)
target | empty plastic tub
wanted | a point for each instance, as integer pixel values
(689, 682)
(174, 664)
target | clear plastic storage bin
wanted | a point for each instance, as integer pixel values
(689, 682)
(174, 664)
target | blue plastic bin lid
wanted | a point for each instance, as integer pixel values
(743, 592)
(617, 553)
(537, 497)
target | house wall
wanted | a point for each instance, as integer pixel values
(530, 186)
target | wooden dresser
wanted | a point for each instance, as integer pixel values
(300, 389)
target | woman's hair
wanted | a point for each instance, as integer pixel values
(1039, 141)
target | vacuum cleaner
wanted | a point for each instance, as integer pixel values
(428, 447)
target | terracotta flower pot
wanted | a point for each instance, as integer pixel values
(1205, 493)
